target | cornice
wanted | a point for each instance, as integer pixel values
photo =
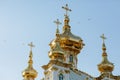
(81, 72)
(56, 62)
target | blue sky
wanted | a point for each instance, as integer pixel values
(25, 21)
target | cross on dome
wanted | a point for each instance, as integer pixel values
(103, 37)
(31, 45)
(57, 22)
(66, 8)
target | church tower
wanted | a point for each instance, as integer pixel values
(63, 53)
(70, 43)
(30, 73)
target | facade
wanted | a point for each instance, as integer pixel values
(63, 53)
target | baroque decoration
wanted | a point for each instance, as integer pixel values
(63, 53)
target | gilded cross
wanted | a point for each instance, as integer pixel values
(103, 37)
(57, 22)
(66, 8)
(31, 45)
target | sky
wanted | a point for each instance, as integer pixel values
(25, 21)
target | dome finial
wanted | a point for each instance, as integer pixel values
(105, 66)
(31, 46)
(103, 37)
(30, 72)
(66, 8)
(57, 22)
(103, 46)
(30, 55)
(66, 26)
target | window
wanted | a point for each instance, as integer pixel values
(60, 76)
(71, 58)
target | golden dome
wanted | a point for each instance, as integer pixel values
(66, 28)
(68, 41)
(56, 51)
(67, 31)
(105, 65)
(30, 71)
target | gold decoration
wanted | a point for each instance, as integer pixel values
(67, 71)
(30, 71)
(54, 68)
(52, 62)
(47, 72)
(105, 65)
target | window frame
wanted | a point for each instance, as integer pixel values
(61, 77)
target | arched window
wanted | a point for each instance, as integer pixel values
(71, 58)
(60, 76)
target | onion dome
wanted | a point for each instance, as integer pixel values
(30, 72)
(68, 40)
(67, 31)
(105, 65)
(56, 52)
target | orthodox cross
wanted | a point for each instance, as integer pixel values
(31, 45)
(57, 22)
(66, 8)
(103, 37)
